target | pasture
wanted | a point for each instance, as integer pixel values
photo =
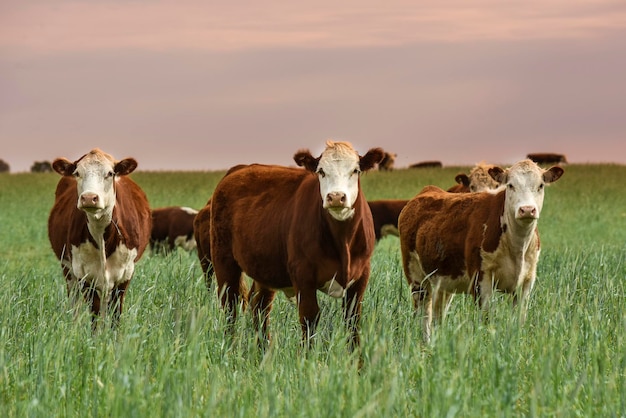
(170, 356)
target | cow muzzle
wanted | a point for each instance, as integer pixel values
(527, 212)
(335, 200)
(90, 202)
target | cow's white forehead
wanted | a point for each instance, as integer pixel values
(96, 158)
(525, 168)
(338, 151)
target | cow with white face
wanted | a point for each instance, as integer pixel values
(293, 230)
(474, 242)
(338, 169)
(99, 227)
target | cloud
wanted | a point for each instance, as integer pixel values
(62, 26)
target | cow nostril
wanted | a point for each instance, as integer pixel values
(89, 199)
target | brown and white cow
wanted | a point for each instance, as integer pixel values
(474, 242)
(299, 231)
(385, 214)
(173, 226)
(388, 161)
(201, 233)
(478, 180)
(99, 227)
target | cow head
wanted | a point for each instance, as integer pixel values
(339, 169)
(525, 183)
(480, 180)
(95, 175)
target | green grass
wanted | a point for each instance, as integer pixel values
(170, 355)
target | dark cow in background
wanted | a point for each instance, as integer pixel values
(388, 161)
(385, 214)
(201, 233)
(474, 242)
(98, 227)
(173, 226)
(427, 164)
(478, 180)
(4, 167)
(547, 158)
(41, 167)
(298, 231)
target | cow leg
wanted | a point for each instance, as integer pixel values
(231, 288)
(485, 292)
(441, 304)
(427, 302)
(92, 296)
(309, 312)
(352, 309)
(522, 296)
(260, 305)
(116, 302)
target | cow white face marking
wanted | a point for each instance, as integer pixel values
(94, 177)
(95, 174)
(338, 171)
(525, 183)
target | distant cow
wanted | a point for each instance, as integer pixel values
(386, 164)
(99, 227)
(41, 167)
(478, 180)
(201, 233)
(427, 164)
(385, 214)
(547, 158)
(173, 226)
(4, 167)
(295, 230)
(474, 242)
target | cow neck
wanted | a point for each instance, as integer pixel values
(343, 233)
(519, 233)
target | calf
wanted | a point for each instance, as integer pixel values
(98, 227)
(478, 180)
(474, 242)
(298, 231)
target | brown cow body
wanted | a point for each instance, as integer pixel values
(287, 232)
(173, 226)
(99, 239)
(385, 213)
(427, 164)
(547, 158)
(474, 242)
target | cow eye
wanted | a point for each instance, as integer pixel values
(321, 172)
(541, 186)
(110, 174)
(75, 174)
(510, 186)
(356, 171)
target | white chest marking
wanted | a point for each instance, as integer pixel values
(89, 264)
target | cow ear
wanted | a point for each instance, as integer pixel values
(552, 174)
(64, 167)
(305, 159)
(125, 167)
(463, 179)
(373, 157)
(498, 174)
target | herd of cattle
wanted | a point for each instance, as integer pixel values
(303, 230)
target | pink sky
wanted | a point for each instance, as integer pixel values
(206, 85)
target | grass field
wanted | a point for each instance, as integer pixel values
(170, 357)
